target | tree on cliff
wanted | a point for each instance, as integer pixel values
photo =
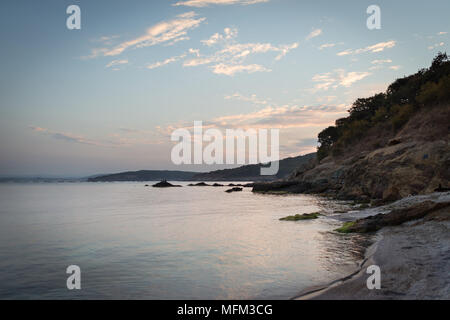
(402, 99)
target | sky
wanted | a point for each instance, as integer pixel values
(106, 98)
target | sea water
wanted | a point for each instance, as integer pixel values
(137, 242)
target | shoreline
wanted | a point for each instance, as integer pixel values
(411, 257)
(316, 292)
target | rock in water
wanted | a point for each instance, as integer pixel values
(200, 184)
(305, 216)
(164, 184)
(235, 189)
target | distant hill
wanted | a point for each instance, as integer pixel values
(244, 173)
(252, 172)
(146, 175)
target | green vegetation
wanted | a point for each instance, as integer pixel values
(403, 98)
(297, 217)
(345, 227)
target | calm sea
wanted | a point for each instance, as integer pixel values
(136, 242)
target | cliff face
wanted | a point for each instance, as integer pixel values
(386, 165)
(415, 160)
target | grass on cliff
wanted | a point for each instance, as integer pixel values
(297, 217)
(346, 227)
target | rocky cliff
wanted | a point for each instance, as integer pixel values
(392, 145)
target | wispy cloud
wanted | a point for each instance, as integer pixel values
(326, 99)
(129, 130)
(125, 138)
(284, 50)
(96, 52)
(299, 124)
(313, 34)
(277, 116)
(227, 59)
(116, 63)
(437, 45)
(165, 62)
(198, 61)
(381, 61)
(230, 58)
(381, 46)
(68, 137)
(106, 40)
(168, 32)
(337, 78)
(327, 45)
(379, 64)
(285, 116)
(229, 33)
(347, 79)
(231, 70)
(205, 3)
(251, 98)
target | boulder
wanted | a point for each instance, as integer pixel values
(394, 218)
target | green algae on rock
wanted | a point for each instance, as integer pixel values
(305, 216)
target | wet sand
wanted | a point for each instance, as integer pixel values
(414, 259)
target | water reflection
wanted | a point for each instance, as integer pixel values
(180, 243)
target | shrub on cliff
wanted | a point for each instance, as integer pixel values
(396, 106)
(435, 92)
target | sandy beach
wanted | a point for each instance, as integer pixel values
(414, 259)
